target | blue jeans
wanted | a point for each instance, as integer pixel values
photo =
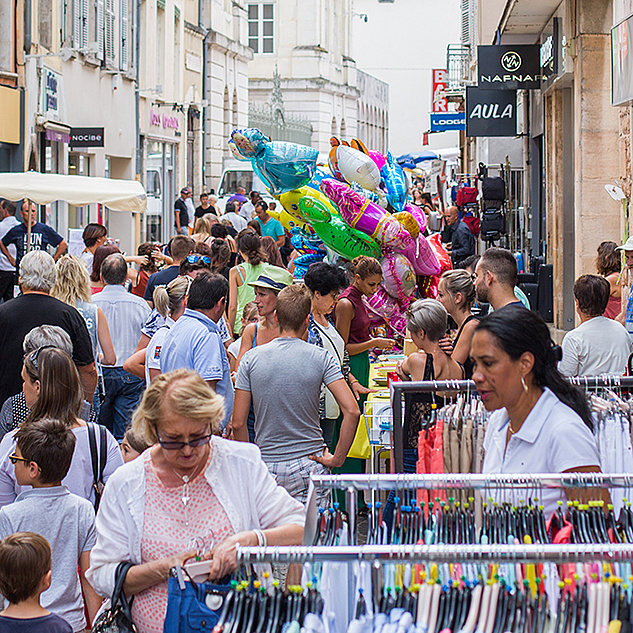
(123, 393)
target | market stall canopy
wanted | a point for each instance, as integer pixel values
(411, 160)
(120, 195)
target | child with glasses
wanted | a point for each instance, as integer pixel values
(44, 450)
(25, 573)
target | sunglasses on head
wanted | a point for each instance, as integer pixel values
(33, 356)
(194, 259)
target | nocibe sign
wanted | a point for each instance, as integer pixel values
(510, 67)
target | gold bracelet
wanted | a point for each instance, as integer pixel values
(353, 382)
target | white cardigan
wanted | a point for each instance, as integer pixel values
(239, 478)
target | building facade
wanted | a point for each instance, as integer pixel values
(308, 42)
(568, 143)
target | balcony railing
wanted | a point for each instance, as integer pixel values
(458, 67)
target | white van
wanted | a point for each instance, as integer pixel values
(236, 174)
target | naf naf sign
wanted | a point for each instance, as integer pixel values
(445, 122)
(491, 112)
(510, 67)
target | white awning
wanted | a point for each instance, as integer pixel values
(120, 195)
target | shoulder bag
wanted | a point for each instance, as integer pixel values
(118, 617)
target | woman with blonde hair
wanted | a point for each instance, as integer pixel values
(202, 231)
(185, 485)
(169, 302)
(72, 286)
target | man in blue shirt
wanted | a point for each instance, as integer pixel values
(194, 341)
(269, 225)
(42, 236)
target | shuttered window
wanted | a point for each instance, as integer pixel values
(100, 29)
(125, 35)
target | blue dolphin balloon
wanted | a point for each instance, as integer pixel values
(395, 183)
(282, 166)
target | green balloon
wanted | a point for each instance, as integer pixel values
(314, 209)
(345, 240)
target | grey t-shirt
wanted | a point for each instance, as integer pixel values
(67, 522)
(285, 378)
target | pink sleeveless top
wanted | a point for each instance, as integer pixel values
(165, 533)
(359, 327)
(614, 307)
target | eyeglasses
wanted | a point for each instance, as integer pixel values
(32, 356)
(176, 446)
(14, 459)
(194, 259)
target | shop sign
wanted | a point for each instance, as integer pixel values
(57, 136)
(550, 53)
(87, 137)
(165, 121)
(622, 63)
(439, 102)
(491, 112)
(448, 121)
(51, 93)
(509, 67)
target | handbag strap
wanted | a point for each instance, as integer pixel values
(118, 596)
(93, 452)
(98, 457)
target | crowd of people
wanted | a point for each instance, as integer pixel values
(188, 392)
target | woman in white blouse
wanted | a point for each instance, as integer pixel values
(542, 423)
(191, 486)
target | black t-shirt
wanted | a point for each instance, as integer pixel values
(18, 317)
(42, 236)
(161, 277)
(200, 211)
(50, 623)
(181, 209)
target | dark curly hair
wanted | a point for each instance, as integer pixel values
(324, 278)
(609, 260)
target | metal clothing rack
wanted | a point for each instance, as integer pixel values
(452, 481)
(465, 481)
(538, 553)
(467, 386)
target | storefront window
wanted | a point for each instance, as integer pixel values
(78, 165)
(159, 185)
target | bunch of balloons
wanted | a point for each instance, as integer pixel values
(361, 210)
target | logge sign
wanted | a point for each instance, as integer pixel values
(491, 112)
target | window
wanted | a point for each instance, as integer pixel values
(110, 22)
(125, 36)
(80, 24)
(261, 20)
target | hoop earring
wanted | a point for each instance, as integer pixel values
(525, 387)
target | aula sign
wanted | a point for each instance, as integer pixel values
(490, 112)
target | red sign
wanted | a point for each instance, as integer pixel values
(438, 97)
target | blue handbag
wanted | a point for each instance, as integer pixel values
(193, 607)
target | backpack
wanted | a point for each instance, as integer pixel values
(493, 189)
(466, 195)
(98, 459)
(493, 224)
